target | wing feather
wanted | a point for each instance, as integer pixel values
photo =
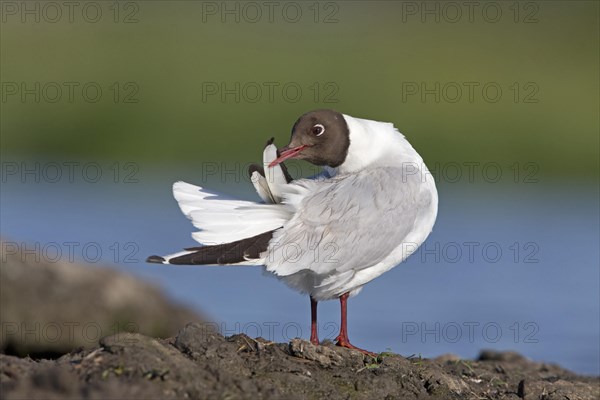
(346, 223)
(222, 219)
(275, 177)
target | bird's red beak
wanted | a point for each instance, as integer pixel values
(288, 153)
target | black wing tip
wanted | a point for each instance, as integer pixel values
(155, 260)
(270, 141)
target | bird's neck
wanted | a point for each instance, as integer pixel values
(377, 144)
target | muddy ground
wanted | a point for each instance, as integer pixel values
(199, 363)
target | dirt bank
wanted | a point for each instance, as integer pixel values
(199, 363)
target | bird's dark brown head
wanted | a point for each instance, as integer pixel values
(320, 137)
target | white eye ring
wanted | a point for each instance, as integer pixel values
(318, 126)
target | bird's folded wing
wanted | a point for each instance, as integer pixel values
(349, 222)
(222, 219)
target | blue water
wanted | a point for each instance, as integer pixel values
(539, 296)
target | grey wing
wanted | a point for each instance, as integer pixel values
(348, 222)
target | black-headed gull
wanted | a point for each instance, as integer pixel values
(328, 236)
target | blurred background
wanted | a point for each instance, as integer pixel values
(104, 105)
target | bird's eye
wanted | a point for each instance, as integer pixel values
(318, 130)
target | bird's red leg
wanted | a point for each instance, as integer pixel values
(314, 335)
(342, 339)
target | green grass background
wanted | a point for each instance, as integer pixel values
(369, 53)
